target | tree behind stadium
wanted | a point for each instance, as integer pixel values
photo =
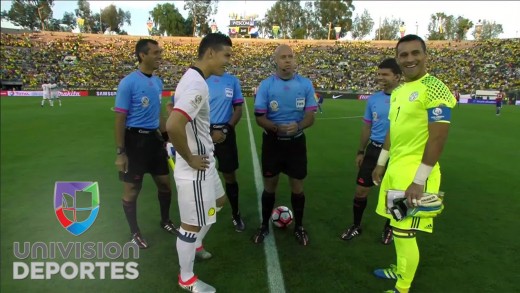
(168, 20)
(29, 14)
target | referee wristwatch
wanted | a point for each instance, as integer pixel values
(120, 150)
(225, 129)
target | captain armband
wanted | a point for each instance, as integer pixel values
(439, 114)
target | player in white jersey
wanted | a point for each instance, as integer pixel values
(200, 191)
(46, 87)
(55, 93)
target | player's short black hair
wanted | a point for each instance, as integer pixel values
(410, 38)
(214, 41)
(142, 47)
(390, 63)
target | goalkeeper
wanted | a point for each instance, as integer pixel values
(420, 111)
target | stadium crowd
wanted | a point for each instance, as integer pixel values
(346, 66)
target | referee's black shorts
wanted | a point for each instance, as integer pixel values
(146, 154)
(364, 177)
(227, 153)
(286, 155)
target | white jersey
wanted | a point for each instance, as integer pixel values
(46, 90)
(54, 90)
(192, 100)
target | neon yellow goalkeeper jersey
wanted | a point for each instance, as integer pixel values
(412, 106)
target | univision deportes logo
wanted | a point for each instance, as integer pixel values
(76, 205)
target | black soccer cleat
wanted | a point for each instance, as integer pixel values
(138, 239)
(239, 224)
(169, 227)
(260, 234)
(351, 232)
(301, 235)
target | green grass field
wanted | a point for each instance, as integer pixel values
(475, 247)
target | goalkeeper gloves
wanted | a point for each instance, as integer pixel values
(429, 206)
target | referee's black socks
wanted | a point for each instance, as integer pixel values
(267, 206)
(232, 194)
(130, 209)
(298, 204)
(165, 199)
(360, 203)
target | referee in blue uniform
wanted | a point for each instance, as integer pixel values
(226, 110)
(373, 134)
(140, 135)
(284, 107)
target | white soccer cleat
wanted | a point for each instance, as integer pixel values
(197, 286)
(203, 254)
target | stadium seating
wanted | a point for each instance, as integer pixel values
(101, 61)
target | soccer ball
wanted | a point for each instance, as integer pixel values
(282, 217)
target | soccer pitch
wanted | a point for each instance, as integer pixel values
(474, 247)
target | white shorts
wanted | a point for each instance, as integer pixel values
(46, 98)
(197, 200)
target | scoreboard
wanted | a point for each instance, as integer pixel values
(241, 27)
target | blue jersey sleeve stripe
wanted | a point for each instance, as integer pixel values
(238, 101)
(120, 110)
(439, 114)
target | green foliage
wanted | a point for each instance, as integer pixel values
(462, 26)
(442, 27)
(489, 30)
(335, 12)
(84, 12)
(167, 20)
(115, 18)
(200, 12)
(362, 25)
(30, 14)
(389, 29)
(287, 14)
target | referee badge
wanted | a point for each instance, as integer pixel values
(274, 106)
(413, 96)
(229, 92)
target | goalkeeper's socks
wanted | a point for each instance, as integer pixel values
(130, 208)
(298, 205)
(267, 206)
(232, 194)
(186, 252)
(359, 206)
(407, 259)
(165, 200)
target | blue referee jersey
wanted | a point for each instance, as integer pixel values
(139, 96)
(285, 101)
(224, 93)
(376, 113)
